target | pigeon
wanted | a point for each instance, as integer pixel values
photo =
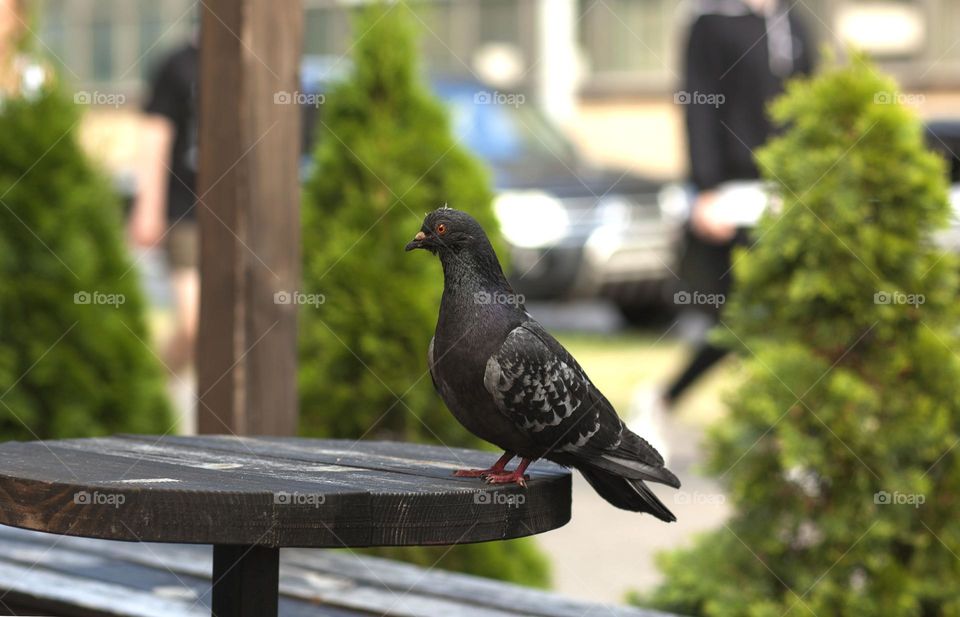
(509, 382)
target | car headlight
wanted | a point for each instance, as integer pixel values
(674, 201)
(531, 219)
(614, 211)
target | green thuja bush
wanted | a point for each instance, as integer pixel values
(74, 360)
(385, 156)
(839, 448)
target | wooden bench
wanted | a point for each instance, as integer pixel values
(61, 575)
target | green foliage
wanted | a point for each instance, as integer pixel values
(851, 397)
(68, 369)
(385, 157)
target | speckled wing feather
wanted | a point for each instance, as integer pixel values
(548, 396)
(536, 382)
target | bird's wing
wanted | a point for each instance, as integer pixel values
(537, 383)
(433, 377)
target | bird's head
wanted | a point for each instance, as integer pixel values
(447, 231)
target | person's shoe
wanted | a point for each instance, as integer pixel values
(648, 418)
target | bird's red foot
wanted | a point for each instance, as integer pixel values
(507, 477)
(497, 467)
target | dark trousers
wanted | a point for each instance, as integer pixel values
(705, 268)
(705, 357)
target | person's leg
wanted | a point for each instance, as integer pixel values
(183, 255)
(651, 407)
(186, 291)
(708, 272)
(705, 357)
(705, 267)
(182, 385)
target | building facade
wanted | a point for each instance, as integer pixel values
(604, 68)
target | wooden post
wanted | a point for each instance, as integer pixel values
(249, 215)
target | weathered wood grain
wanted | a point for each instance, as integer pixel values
(273, 492)
(249, 216)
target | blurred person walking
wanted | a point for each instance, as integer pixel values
(163, 211)
(739, 54)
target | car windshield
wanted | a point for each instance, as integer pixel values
(504, 129)
(508, 133)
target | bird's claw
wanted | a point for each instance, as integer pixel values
(508, 477)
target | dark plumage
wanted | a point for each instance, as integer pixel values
(510, 383)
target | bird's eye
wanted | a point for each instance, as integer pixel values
(441, 229)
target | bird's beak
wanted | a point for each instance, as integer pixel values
(417, 242)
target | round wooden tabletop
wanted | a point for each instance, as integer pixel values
(270, 491)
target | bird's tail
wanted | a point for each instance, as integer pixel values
(626, 493)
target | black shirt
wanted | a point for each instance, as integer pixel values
(728, 56)
(174, 96)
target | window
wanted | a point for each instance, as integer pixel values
(102, 32)
(630, 44)
(151, 28)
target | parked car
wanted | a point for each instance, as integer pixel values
(943, 136)
(559, 214)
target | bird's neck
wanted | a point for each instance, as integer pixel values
(466, 273)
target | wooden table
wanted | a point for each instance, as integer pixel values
(249, 497)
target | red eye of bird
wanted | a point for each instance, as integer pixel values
(441, 229)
